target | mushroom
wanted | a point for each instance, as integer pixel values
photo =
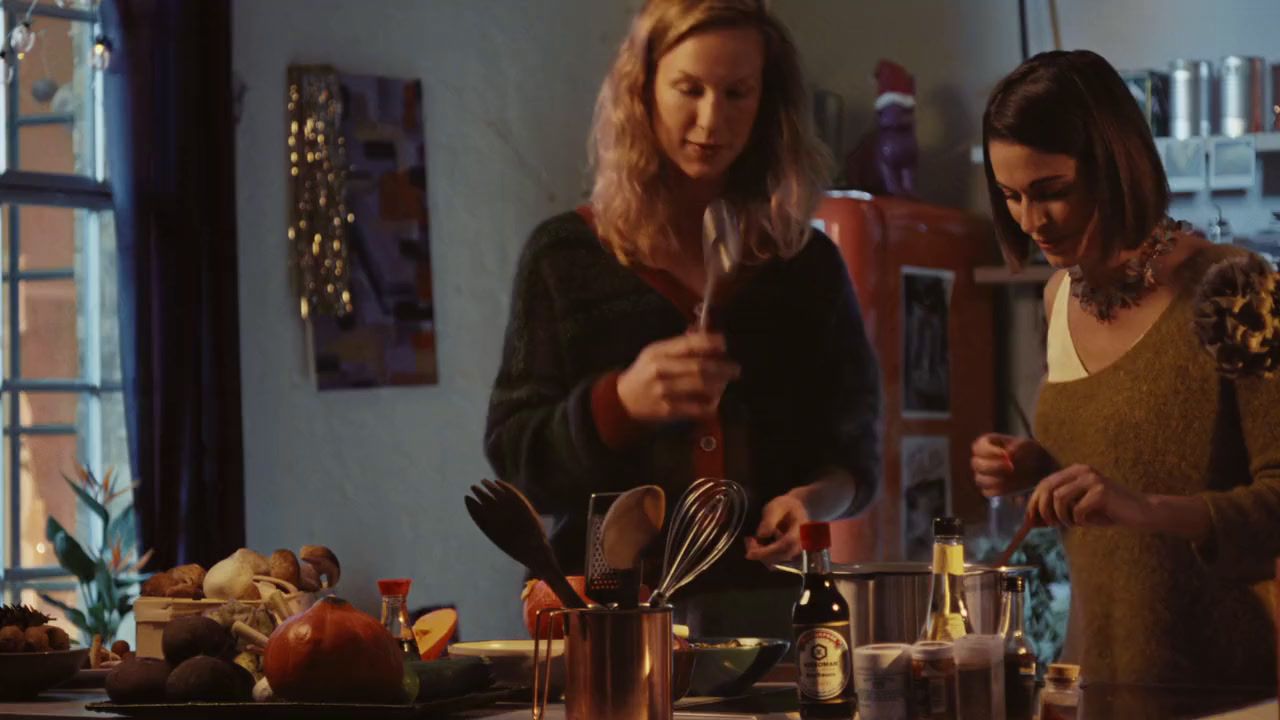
(308, 578)
(284, 565)
(232, 577)
(324, 561)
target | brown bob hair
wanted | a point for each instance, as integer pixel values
(1074, 103)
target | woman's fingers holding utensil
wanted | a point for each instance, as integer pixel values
(778, 531)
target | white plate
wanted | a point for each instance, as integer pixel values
(503, 648)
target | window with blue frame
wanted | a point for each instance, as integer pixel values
(60, 389)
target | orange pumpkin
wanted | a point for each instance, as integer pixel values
(334, 653)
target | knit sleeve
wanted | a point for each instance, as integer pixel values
(1245, 536)
(850, 405)
(540, 434)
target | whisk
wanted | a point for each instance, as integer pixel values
(705, 523)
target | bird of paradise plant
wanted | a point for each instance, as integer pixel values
(108, 569)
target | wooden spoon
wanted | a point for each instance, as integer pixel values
(631, 524)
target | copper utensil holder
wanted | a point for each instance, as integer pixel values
(617, 663)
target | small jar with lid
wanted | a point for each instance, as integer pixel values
(1060, 699)
(935, 680)
(881, 676)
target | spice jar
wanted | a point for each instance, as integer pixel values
(881, 676)
(934, 681)
(1060, 699)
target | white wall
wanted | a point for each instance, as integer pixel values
(379, 475)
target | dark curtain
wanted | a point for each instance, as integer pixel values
(170, 140)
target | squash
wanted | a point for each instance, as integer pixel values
(334, 653)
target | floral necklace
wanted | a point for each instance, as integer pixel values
(1138, 276)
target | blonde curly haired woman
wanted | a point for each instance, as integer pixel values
(603, 384)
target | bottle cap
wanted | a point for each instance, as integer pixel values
(882, 657)
(1063, 671)
(933, 650)
(948, 527)
(394, 586)
(1015, 583)
(815, 536)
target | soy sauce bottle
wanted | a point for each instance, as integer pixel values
(820, 619)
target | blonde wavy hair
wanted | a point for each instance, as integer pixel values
(775, 184)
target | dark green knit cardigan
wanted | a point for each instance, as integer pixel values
(808, 397)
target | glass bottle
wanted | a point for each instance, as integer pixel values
(1061, 697)
(821, 623)
(948, 618)
(1019, 657)
(395, 616)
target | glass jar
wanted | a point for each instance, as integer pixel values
(881, 676)
(395, 615)
(1060, 699)
(934, 681)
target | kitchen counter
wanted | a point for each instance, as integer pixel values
(775, 702)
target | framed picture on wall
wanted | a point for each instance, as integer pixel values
(926, 491)
(358, 143)
(926, 350)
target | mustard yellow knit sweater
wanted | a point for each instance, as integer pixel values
(1154, 608)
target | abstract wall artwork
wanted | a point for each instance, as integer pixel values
(360, 231)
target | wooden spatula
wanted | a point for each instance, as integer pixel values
(507, 518)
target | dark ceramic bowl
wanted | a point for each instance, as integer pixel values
(728, 667)
(25, 675)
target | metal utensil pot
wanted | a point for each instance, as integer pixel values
(888, 601)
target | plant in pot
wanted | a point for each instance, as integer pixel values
(105, 570)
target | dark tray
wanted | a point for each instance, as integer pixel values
(310, 711)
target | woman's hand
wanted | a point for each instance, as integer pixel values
(1079, 496)
(777, 537)
(681, 378)
(1003, 464)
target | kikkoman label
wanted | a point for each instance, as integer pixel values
(823, 658)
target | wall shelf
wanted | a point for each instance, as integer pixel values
(1037, 274)
(1266, 142)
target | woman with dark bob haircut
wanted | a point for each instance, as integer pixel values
(1159, 461)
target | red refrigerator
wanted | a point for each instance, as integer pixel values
(933, 331)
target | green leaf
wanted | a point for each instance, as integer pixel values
(88, 500)
(76, 617)
(124, 527)
(98, 619)
(71, 556)
(106, 586)
(125, 606)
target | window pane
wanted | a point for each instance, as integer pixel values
(109, 305)
(21, 5)
(45, 494)
(115, 438)
(55, 108)
(49, 329)
(51, 234)
(31, 597)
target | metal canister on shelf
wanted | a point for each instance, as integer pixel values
(1241, 97)
(1185, 93)
(1204, 71)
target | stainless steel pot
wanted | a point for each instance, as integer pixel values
(888, 601)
